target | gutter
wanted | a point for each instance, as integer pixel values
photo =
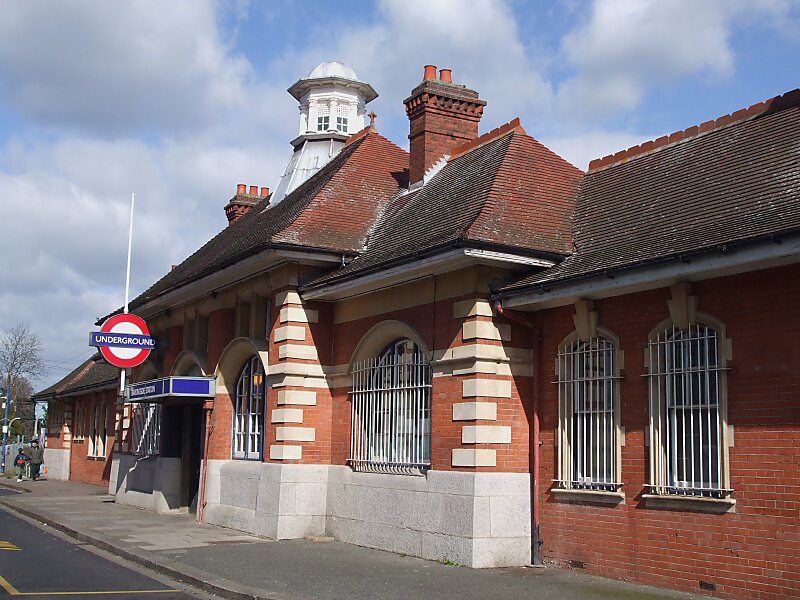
(437, 254)
(554, 290)
(286, 252)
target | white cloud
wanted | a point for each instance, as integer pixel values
(482, 44)
(580, 149)
(118, 66)
(625, 47)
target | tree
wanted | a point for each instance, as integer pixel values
(21, 392)
(20, 362)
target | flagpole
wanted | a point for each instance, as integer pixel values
(127, 285)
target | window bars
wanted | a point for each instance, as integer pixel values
(588, 412)
(686, 390)
(146, 432)
(391, 411)
(98, 431)
(248, 419)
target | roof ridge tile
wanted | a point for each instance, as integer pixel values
(360, 134)
(787, 100)
(495, 133)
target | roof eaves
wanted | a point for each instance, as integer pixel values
(333, 278)
(547, 284)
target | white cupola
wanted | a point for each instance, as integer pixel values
(332, 107)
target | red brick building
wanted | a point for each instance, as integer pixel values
(476, 352)
(81, 411)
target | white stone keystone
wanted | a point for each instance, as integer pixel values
(295, 434)
(287, 415)
(485, 330)
(471, 308)
(477, 457)
(297, 397)
(486, 434)
(287, 297)
(490, 388)
(298, 315)
(279, 452)
(298, 351)
(473, 411)
(290, 332)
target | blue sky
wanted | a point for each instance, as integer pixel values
(181, 101)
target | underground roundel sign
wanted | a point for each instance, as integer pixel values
(124, 341)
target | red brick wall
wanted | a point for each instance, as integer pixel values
(219, 437)
(436, 320)
(754, 553)
(175, 336)
(85, 468)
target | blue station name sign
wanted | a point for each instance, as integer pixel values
(171, 387)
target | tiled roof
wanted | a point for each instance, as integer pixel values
(93, 373)
(332, 211)
(509, 191)
(728, 185)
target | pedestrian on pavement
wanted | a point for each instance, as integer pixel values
(37, 458)
(20, 460)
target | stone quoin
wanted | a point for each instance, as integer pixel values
(476, 352)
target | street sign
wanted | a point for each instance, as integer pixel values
(186, 387)
(124, 341)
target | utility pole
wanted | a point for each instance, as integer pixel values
(6, 402)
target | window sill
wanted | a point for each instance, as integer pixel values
(690, 503)
(592, 496)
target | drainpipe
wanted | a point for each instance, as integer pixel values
(201, 501)
(536, 340)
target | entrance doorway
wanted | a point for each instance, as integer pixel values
(184, 435)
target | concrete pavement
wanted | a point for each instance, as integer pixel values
(234, 565)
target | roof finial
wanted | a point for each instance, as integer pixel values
(372, 116)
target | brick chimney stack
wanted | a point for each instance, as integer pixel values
(442, 115)
(243, 202)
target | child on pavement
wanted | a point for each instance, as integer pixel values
(20, 460)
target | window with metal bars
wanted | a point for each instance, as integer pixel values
(391, 411)
(98, 435)
(146, 429)
(248, 413)
(687, 383)
(588, 415)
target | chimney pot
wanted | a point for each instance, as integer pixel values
(446, 75)
(241, 188)
(430, 73)
(264, 192)
(254, 190)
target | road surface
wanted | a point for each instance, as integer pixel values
(38, 564)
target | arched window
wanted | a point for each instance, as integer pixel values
(391, 412)
(248, 411)
(588, 414)
(687, 383)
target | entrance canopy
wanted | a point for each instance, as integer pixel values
(159, 390)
